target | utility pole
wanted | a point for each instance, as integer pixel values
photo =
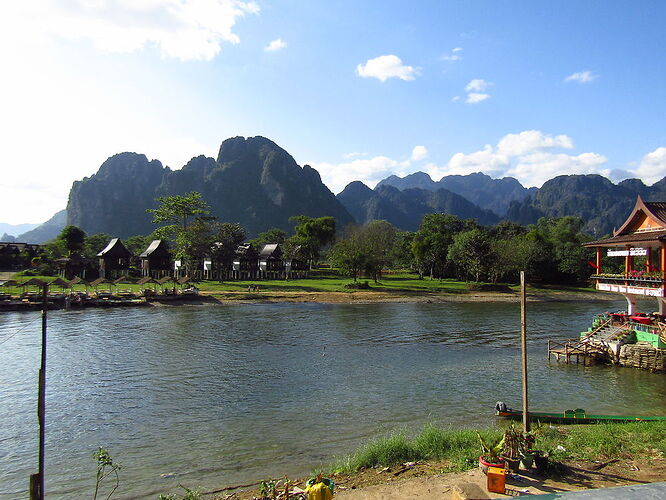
(37, 480)
(523, 348)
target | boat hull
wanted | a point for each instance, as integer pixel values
(576, 417)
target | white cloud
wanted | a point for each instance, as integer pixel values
(529, 141)
(419, 153)
(454, 55)
(385, 67)
(275, 45)
(354, 154)
(477, 85)
(652, 166)
(181, 29)
(475, 91)
(473, 97)
(581, 77)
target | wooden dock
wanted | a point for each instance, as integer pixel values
(576, 351)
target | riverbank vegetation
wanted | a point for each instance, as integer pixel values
(460, 449)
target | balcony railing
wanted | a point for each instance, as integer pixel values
(644, 285)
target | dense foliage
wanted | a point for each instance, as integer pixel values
(446, 246)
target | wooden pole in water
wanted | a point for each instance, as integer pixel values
(523, 348)
(37, 480)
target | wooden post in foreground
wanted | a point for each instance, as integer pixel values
(523, 348)
(37, 480)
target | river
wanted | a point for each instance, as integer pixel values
(212, 396)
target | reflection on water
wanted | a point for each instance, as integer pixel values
(220, 395)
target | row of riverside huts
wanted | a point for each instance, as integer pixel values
(157, 262)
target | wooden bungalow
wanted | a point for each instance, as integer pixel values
(271, 265)
(17, 255)
(245, 265)
(156, 260)
(642, 238)
(296, 266)
(114, 260)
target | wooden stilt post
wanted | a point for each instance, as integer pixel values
(523, 346)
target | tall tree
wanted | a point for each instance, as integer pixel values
(432, 240)
(186, 217)
(180, 210)
(313, 234)
(470, 253)
(72, 238)
(227, 237)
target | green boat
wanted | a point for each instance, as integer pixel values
(577, 416)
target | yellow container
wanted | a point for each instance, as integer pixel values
(496, 480)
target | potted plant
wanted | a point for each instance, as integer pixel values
(490, 456)
(513, 443)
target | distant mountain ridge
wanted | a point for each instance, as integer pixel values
(253, 182)
(15, 229)
(480, 189)
(46, 231)
(405, 209)
(600, 203)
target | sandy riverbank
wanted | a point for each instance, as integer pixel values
(425, 480)
(365, 297)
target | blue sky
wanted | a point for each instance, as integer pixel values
(358, 90)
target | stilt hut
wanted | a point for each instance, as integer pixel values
(114, 260)
(271, 265)
(245, 266)
(156, 260)
(68, 267)
(296, 266)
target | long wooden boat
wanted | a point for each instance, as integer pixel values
(577, 416)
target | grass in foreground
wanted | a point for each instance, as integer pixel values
(460, 447)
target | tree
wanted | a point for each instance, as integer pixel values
(377, 240)
(313, 234)
(431, 242)
(273, 235)
(137, 244)
(401, 254)
(180, 210)
(94, 244)
(188, 216)
(470, 253)
(348, 254)
(227, 237)
(72, 238)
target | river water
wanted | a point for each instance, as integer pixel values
(212, 396)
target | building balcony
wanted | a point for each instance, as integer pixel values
(635, 285)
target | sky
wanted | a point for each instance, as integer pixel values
(358, 90)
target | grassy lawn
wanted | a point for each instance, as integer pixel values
(399, 283)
